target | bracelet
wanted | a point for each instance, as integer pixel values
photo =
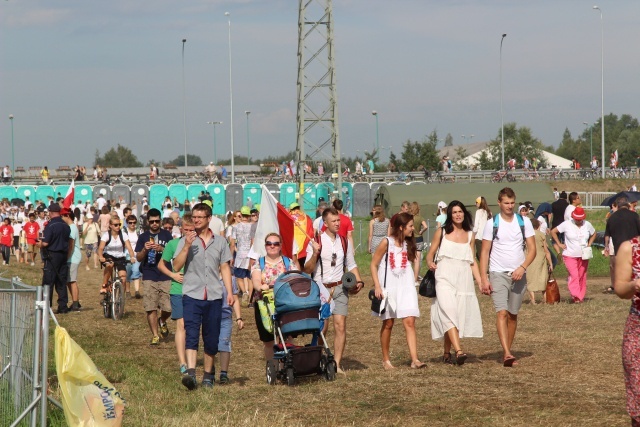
(239, 318)
(524, 268)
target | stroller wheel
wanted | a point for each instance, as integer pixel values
(271, 372)
(330, 374)
(290, 378)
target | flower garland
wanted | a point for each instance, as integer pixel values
(403, 260)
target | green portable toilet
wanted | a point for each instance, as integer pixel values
(44, 191)
(179, 191)
(252, 194)
(193, 192)
(308, 199)
(61, 191)
(8, 192)
(288, 193)
(347, 197)
(157, 194)
(83, 193)
(219, 196)
(324, 190)
(24, 191)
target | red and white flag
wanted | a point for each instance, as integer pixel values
(615, 158)
(274, 218)
(68, 199)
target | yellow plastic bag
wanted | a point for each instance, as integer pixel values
(264, 312)
(87, 397)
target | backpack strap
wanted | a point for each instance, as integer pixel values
(261, 262)
(520, 223)
(345, 246)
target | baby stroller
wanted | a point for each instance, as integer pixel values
(296, 310)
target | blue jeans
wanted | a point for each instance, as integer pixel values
(205, 314)
(133, 271)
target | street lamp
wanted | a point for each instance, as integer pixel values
(467, 138)
(215, 154)
(184, 109)
(248, 144)
(591, 132)
(602, 86)
(501, 112)
(13, 163)
(375, 113)
(233, 173)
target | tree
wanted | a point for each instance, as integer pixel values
(461, 154)
(120, 157)
(422, 153)
(192, 159)
(518, 143)
(622, 134)
(448, 140)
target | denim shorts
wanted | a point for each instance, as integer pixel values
(176, 307)
(241, 273)
(224, 342)
(133, 271)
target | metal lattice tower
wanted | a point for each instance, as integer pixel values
(317, 100)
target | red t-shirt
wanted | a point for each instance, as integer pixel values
(6, 235)
(345, 226)
(31, 229)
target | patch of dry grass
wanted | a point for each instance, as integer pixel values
(570, 371)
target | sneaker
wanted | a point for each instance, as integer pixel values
(205, 384)
(164, 330)
(189, 381)
(138, 295)
(63, 310)
(155, 341)
(33, 263)
(183, 369)
(75, 306)
(224, 379)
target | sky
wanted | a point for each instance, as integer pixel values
(81, 76)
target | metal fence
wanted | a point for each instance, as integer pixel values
(24, 338)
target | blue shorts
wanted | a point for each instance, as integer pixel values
(133, 271)
(224, 342)
(241, 273)
(176, 307)
(206, 314)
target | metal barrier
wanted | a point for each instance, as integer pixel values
(24, 343)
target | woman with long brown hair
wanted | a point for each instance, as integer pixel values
(392, 273)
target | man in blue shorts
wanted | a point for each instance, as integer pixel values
(205, 258)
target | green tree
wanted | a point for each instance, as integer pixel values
(518, 143)
(119, 157)
(622, 134)
(421, 153)
(448, 140)
(461, 154)
(193, 160)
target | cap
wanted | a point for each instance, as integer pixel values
(54, 207)
(293, 206)
(442, 204)
(208, 203)
(257, 206)
(478, 199)
(578, 214)
(245, 210)
(522, 207)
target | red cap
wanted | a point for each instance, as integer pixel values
(578, 214)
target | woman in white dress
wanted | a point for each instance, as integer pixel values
(455, 312)
(392, 273)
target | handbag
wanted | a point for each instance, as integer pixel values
(428, 284)
(552, 293)
(377, 305)
(587, 252)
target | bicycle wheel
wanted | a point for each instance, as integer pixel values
(117, 298)
(106, 306)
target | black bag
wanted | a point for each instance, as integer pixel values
(375, 302)
(428, 285)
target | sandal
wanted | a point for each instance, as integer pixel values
(387, 365)
(461, 357)
(418, 365)
(508, 361)
(446, 359)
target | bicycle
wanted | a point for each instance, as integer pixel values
(113, 299)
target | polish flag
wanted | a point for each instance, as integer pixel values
(68, 199)
(274, 218)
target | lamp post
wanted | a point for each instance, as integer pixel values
(591, 132)
(233, 173)
(248, 139)
(602, 85)
(13, 163)
(501, 112)
(375, 113)
(215, 154)
(184, 110)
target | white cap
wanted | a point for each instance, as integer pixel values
(522, 207)
(442, 204)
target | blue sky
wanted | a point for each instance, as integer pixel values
(84, 75)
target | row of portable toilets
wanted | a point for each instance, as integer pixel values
(357, 198)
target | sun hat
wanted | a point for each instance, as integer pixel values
(578, 214)
(245, 210)
(293, 206)
(442, 204)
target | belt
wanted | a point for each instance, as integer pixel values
(332, 284)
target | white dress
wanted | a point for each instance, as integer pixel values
(456, 304)
(402, 298)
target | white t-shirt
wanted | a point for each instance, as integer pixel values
(132, 236)
(568, 211)
(329, 247)
(543, 224)
(115, 247)
(506, 252)
(216, 225)
(101, 202)
(575, 237)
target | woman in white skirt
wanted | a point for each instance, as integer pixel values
(392, 273)
(455, 312)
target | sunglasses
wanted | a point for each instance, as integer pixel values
(154, 221)
(274, 244)
(132, 222)
(116, 225)
(333, 259)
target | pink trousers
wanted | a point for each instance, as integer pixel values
(577, 280)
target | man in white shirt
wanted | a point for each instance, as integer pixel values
(101, 202)
(574, 201)
(328, 263)
(507, 263)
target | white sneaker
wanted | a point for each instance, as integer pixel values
(33, 263)
(417, 284)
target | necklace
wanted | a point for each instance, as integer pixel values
(399, 256)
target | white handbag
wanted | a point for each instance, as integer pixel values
(587, 252)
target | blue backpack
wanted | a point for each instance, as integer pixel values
(287, 263)
(520, 223)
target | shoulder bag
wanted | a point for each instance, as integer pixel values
(428, 285)
(552, 293)
(376, 304)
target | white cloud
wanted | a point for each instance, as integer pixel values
(37, 17)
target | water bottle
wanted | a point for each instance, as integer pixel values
(151, 255)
